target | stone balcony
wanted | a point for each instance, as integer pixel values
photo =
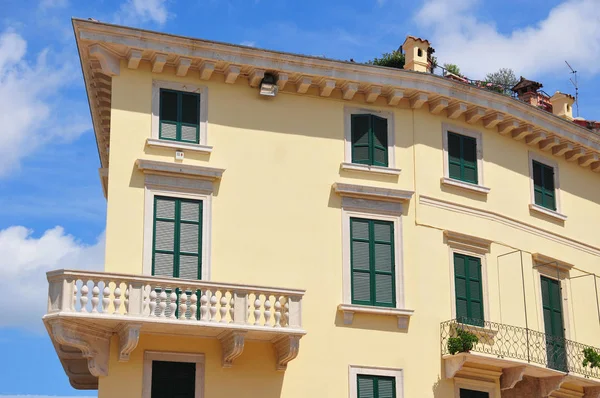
(85, 309)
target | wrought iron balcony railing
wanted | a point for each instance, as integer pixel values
(522, 344)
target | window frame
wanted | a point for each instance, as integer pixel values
(150, 356)
(202, 91)
(179, 124)
(454, 254)
(355, 371)
(347, 163)
(396, 220)
(476, 385)
(151, 192)
(563, 278)
(557, 192)
(446, 180)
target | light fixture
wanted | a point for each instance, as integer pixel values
(268, 85)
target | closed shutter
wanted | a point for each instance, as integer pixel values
(369, 140)
(462, 158)
(179, 116)
(468, 289)
(376, 386)
(372, 262)
(543, 185)
(173, 379)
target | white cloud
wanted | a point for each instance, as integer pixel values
(571, 31)
(30, 111)
(136, 11)
(248, 43)
(24, 261)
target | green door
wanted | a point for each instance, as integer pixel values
(464, 393)
(553, 324)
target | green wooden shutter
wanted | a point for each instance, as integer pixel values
(165, 222)
(372, 262)
(376, 386)
(173, 379)
(379, 130)
(468, 289)
(543, 185)
(361, 138)
(462, 158)
(553, 323)
(179, 116)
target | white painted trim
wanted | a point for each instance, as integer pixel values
(348, 112)
(354, 371)
(149, 193)
(484, 280)
(349, 310)
(465, 185)
(552, 163)
(185, 146)
(150, 356)
(203, 106)
(369, 169)
(547, 212)
(475, 385)
(479, 149)
(565, 295)
(398, 254)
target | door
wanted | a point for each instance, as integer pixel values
(553, 324)
(464, 393)
(173, 379)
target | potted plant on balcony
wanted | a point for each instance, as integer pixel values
(463, 342)
(591, 358)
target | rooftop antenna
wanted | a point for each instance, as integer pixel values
(576, 85)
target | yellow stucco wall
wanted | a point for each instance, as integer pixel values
(276, 222)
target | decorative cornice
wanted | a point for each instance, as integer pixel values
(286, 349)
(456, 240)
(169, 168)
(129, 336)
(349, 310)
(232, 345)
(540, 259)
(372, 193)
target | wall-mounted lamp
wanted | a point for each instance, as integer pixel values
(268, 85)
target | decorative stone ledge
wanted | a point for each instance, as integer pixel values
(373, 193)
(469, 243)
(369, 169)
(541, 259)
(465, 185)
(349, 310)
(184, 146)
(547, 212)
(167, 168)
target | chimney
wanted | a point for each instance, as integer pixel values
(562, 105)
(415, 50)
(527, 91)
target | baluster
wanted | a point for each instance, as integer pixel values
(257, 304)
(84, 297)
(74, 295)
(127, 300)
(95, 299)
(213, 307)
(231, 308)
(117, 300)
(145, 302)
(286, 312)
(267, 311)
(277, 312)
(223, 308)
(193, 306)
(182, 305)
(162, 305)
(173, 304)
(152, 303)
(203, 307)
(105, 298)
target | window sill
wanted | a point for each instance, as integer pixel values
(465, 185)
(349, 310)
(547, 212)
(370, 169)
(184, 146)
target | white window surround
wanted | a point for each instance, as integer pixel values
(475, 385)
(446, 180)
(206, 198)
(150, 356)
(557, 214)
(347, 307)
(154, 139)
(354, 371)
(347, 163)
(550, 272)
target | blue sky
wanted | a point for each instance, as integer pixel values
(52, 212)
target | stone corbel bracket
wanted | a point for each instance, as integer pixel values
(232, 345)
(511, 376)
(109, 62)
(129, 336)
(286, 349)
(93, 342)
(550, 384)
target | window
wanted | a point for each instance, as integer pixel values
(173, 375)
(462, 158)
(179, 116)
(177, 245)
(375, 382)
(464, 393)
(543, 185)
(372, 262)
(369, 140)
(468, 289)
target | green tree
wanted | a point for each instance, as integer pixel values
(451, 68)
(504, 76)
(394, 59)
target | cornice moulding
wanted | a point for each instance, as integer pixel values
(471, 243)
(156, 167)
(374, 193)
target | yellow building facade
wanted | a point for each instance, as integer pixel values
(332, 239)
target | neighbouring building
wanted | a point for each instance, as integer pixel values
(290, 226)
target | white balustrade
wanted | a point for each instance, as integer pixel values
(174, 300)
